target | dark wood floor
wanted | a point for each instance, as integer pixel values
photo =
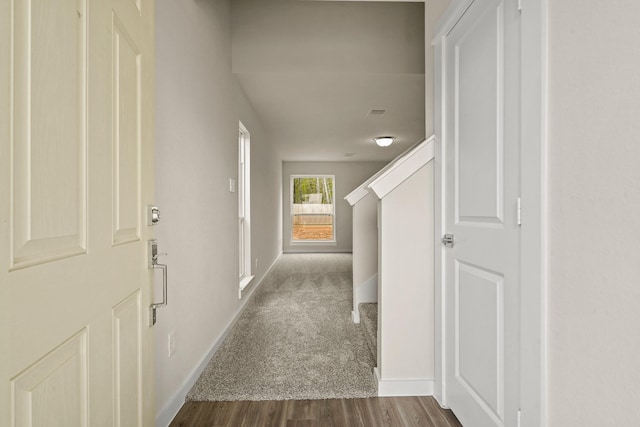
(373, 412)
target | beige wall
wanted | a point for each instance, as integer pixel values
(405, 289)
(365, 251)
(349, 175)
(266, 194)
(594, 213)
(198, 108)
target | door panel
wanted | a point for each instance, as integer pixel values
(126, 134)
(478, 59)
(54, 391)
(481, 168)
(479, 324)
(76, 170)
(48, 161)
(127, 359)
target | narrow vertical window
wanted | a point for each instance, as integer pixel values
(312, 208)
(244, 208)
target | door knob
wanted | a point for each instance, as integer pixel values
(448, 240)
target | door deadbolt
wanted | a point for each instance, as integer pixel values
(153, 215)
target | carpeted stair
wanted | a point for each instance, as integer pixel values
(369, 325)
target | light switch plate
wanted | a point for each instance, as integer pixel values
(232, 185)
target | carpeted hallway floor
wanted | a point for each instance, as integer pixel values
(295, 339)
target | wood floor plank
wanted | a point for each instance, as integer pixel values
(363, 413)
(303, 423)
(371, 412)
(439, 416)
(413, 412)
(389, 412)
(188, 411)
(200, 413)
(348, 411)
(223, 413)
(304, 409)
(276, 414)
(332, 413)
(254, 413)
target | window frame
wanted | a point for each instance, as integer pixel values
(244, 208)
(333, 240)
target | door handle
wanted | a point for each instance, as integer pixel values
(153, 263)
(448, 240)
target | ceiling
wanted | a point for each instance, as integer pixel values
(313, 71)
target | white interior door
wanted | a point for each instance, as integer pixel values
(76, 151)
(481, 170)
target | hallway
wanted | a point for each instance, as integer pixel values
(295, 339)
(305, 81)
(294, 357)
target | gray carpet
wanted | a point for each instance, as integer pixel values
(295, 339)
(369, 325)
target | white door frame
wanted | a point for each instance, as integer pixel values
(533, 187)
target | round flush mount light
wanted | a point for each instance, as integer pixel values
(384, 141)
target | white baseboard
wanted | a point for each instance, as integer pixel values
(435, 396)
(355, 316)
(169, 411)
(404, 387)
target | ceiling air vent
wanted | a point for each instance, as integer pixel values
(377, 112)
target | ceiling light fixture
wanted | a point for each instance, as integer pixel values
(384, 141)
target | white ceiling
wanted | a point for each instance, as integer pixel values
(314, 69)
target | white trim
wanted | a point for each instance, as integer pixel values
(244, 206)
(439, 295)
(173, 405)
(449, 19)
(533, 252)
(356, 195)
(362, 190)
(244, 282)
(403, 168)
(404, 387)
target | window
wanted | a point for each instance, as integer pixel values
(312, 208)
(244, 208)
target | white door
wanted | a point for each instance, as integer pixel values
(481, 151)
(76, 150)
